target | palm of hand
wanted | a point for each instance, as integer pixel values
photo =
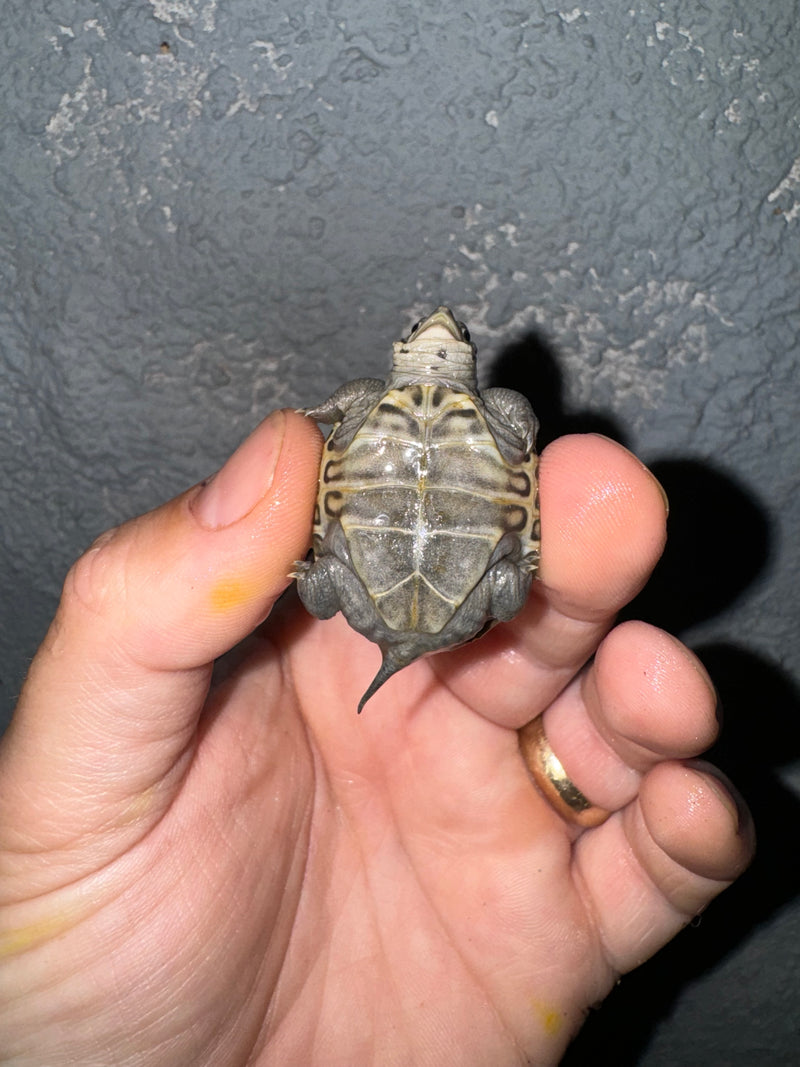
(416, 867)
(270, 878)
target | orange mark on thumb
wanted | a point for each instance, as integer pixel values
(229, 593)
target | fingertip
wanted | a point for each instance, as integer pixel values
(284, 444)
(180, 585)
(603, 521)
(663, 858)
(245, 478)
(282, 524)
(698, 820)
(655, 698)
(241, 566)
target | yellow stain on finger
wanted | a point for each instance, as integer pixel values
(138, 807)
(13, 942)
(550, 1018)
(229, 593)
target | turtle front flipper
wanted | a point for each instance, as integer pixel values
(514, 426)
(348, 407)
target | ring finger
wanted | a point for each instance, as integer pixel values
(645, 698)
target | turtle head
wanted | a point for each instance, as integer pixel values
(440, 325)
(438, 348)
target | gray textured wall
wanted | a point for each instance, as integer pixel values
(213, 207)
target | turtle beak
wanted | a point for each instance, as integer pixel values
(441, 318)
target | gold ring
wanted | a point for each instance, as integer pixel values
(553, 781)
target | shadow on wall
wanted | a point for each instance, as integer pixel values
(531, 366)
(719, 542)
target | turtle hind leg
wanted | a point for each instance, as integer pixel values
(328, 583)
(317, 586)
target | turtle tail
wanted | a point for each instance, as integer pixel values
(394, 659)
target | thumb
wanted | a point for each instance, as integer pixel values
(113, 696)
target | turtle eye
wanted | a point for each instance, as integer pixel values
(416, 325)
(465, 331)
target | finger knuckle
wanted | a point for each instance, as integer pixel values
(97, 578)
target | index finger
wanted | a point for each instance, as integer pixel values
(603, 530)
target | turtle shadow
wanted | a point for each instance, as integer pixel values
(719, 536)
(531, 366)
(720, 542)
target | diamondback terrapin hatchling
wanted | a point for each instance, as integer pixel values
(427, 522)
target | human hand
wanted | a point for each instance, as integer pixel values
(247, 872)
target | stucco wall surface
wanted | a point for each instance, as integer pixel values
(214, 207)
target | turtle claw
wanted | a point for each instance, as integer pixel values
(301, 567)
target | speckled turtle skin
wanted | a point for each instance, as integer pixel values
(426, 529)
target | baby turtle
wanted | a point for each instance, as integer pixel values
(426, 529)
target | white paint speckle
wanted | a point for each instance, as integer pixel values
(509, 230)
(472, 216)
(733, 112)
(690, 41)
(465, 250)
(790, 185)
(272, 56)
(167, 210)
(491, 119)
(208, 16)
(571, 16)
(72, 107)
(186, 11)
(173, 10)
